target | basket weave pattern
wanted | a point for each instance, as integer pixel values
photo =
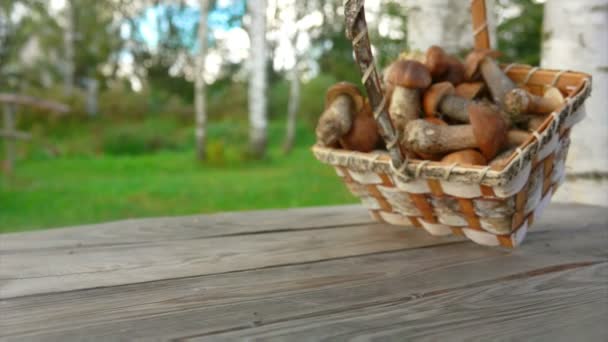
(490, 207)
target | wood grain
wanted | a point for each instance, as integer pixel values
(257, 279)
(138, 231)
(54, 270)
(566, 306)
(242, 300)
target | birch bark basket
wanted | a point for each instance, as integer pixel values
(577, 38)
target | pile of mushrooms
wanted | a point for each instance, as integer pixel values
(443, 109)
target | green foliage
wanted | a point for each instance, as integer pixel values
(228, 102)
(278, 98)
(313, 98)
(77, 189)
(129, 141)
(519, 37)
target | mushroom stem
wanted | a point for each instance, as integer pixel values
(424, 137)
(335, 121)
(455, 107)
(517, 137)
(535, 122)
(521, 101)
(497, 81)
(404, 106)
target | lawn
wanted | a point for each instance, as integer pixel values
(78, 188)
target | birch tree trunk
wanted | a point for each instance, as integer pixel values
(293, 106)
(577, 39)
(446, 23)
(68, 46)
(199, 84)
(257, 81)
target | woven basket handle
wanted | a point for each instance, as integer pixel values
(356, 31)
(481, 34)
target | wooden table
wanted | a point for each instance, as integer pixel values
(304, 274)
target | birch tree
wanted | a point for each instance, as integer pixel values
(257, 81)
(446, 23)
(199, 83)
(294, 87)
(577, 38)
(292, 108)
(68, 46)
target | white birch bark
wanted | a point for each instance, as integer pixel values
(68, 42)
(293, 107)
(257, 81)
(199, 84)
(577, 38)
(446, 23)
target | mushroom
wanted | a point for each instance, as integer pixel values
(470, 90)
(404, 79)
(517, 137)
(487, 131)
(441, 96)
(363, 135)
(468, 156)
(437, 61)
(430, 156)
(536, 121)
(455, 73)
(519, 101)
(482, 61)
(500, 161)
(415, 55)
(342, 101)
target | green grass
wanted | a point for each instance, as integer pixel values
(82, 187)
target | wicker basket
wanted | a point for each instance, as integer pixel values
(493, 207)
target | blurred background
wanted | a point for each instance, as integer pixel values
(193, 106)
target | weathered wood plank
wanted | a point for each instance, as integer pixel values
(27, 271)
(54, 270)
(565, 306)
(242, 300)
(138, 231)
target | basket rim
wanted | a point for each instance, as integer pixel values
(524, 156)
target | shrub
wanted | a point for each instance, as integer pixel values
(137, 140)
(313, 97)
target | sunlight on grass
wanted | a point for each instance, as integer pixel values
(77, 190)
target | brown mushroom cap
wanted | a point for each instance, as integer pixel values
(407, 74)
(434, 95)
(489, 128)
(474, 58)
(344, 88)
(469, 90)
(469, 156)
(436, 61)
(363, 135)
(455, 73)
